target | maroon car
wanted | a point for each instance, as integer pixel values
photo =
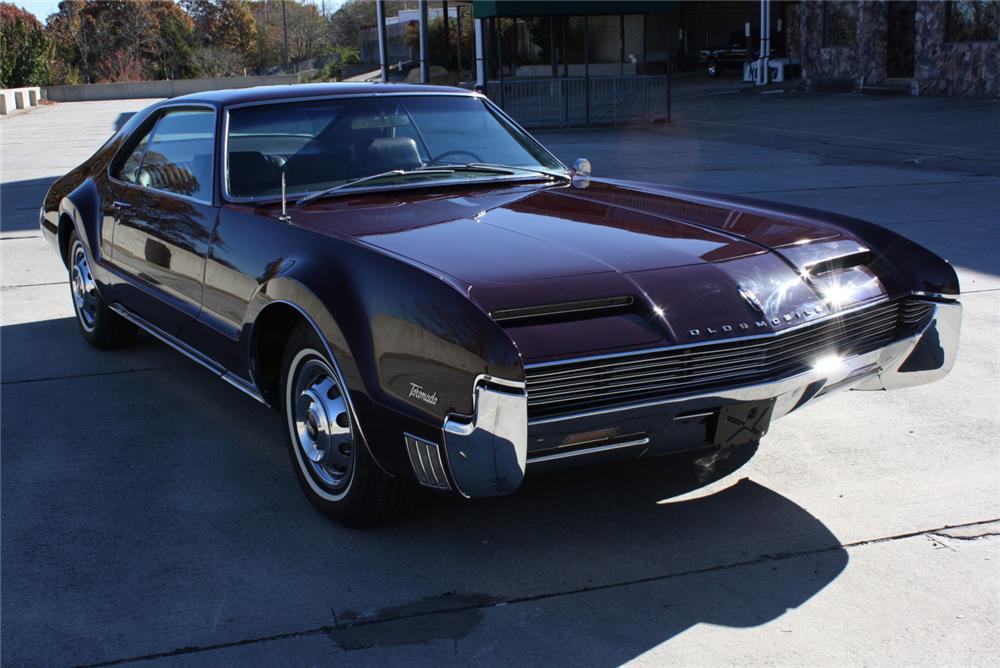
(429, 297)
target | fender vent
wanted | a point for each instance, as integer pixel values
(425, 458)
(566, 311)
(856, 259)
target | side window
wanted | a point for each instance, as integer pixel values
(179, 156)
(129, 170)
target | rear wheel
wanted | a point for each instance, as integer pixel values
(102, 327)
(333, 465)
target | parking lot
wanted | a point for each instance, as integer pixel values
(149, 512)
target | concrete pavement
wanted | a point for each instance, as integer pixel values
(148, 511)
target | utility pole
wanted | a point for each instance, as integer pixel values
(458, 40)
(477, 25)
(425, 70)
(284, 25)
(383, 53)
(765, 42)
(447, 22)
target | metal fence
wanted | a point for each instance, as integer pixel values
(575, 101)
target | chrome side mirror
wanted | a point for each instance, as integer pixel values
(581, 167)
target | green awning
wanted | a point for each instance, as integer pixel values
(482, 9)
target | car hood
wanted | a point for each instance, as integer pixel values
(698, 262)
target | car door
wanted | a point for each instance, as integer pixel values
(164, 217)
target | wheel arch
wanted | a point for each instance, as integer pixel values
(276, 309)
(65, 228)
(79, 211)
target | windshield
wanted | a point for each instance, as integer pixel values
(322, 144)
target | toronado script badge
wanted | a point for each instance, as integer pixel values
(418, 392)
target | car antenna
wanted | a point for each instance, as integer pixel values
(284, 217)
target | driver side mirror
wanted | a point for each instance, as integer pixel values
(581, 167)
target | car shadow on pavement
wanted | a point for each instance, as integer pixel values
(169, 517)
(20, 202)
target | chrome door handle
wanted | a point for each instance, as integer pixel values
(118, 204)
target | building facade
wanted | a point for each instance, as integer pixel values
(918, 47)
(924, 47)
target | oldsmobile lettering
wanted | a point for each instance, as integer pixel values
(800, 314)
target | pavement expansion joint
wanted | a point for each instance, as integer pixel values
(339, 625)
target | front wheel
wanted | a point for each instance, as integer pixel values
(333, 466)
(102, 327)
(713, 67)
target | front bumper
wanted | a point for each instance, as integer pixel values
(488, 453)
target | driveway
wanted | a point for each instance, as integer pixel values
(150, 513)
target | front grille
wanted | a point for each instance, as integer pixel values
(572, 386)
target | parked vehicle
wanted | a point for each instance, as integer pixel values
(430, 298)
(728, 57)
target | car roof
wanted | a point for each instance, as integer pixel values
(231, 96)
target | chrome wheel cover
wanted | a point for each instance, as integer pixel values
(321, 423)
(83, 288)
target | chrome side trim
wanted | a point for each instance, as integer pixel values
(692, 416)
(244, 386)
(487, 452)
(589, 451)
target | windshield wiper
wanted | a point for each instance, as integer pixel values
(443, 169)
(508, 170)
(479, 167)
(511, 169)
(372, 177)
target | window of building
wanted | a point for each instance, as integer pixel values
(840, 23)
(972, 21)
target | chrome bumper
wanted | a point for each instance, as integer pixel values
(923, 358)
(487, 453)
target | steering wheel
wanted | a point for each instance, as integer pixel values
(436, 160)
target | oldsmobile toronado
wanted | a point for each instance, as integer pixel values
(430, 298)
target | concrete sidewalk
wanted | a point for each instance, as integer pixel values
(149, 512)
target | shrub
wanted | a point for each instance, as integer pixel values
(24, 49)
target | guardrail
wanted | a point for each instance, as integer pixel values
(575, 101)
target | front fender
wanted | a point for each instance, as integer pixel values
(409, 344)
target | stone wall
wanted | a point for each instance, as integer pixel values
(793, 28)
(969, 69)
(872, 46)
(940, 68)
(823, 64)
